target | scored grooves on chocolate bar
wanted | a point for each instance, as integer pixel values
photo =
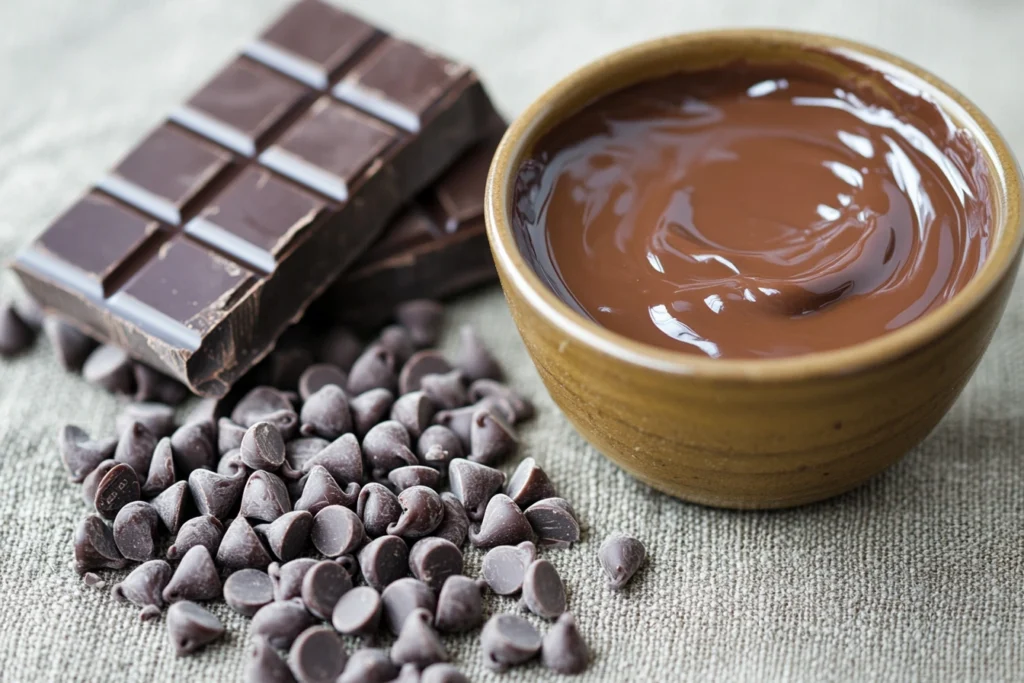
(216, 231)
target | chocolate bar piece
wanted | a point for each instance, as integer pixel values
(217, 230)
(435, 249)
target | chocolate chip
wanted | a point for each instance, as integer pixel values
(161, 469)
(317, 656)
(70, 345)
(402, 597)
(259, 404)
(157, 417)
(460, 605)
(491, 439)
(423, 318)
(95, 548)
(503, 524)
(488, 388)
(343, 458)
(369, 408)
(414, 412)
(322, 587)
(300, 451)
(418, 643)
(459, 422)
(263, 447)
(554, 522)
(564, 650)
(288, 577)
(621, 556)
(358, 612)
(504, 567)
(92, 481)
(419, 365)
(529, 484)
(247, 590)
(414, 475)
(206, 531)
(174, 505)
(135, 531)
(153, 385)
(281, 622)
(455, 525)
(374, 369)
(265, 497)
(287, 535)
(543, 590)
(369, 665)
(438, 446)
(80, 454)
(231, 465)
(473, 358)
(15, 334)
(474, 484)
(378, 507)
(422, 512)
(340, 348)
(241, 548)
(190, 627)
(110, 368)
(446, 391)
(326, 413)
(229, 435)
(93, 580)
(433, 560)
(442, 672)
(386, 447)
(135, 447)
(216, 494)
(508, 640)
(196, 578)
(193, 447)
(384, 560)
(397, 340)
(337, 531)
(264, 665)
(320, 375)
(319, 489)
(117, 488)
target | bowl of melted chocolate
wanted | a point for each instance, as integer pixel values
(754, 268)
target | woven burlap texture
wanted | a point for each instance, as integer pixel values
(916, 576)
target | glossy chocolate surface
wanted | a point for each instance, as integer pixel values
(756, 211)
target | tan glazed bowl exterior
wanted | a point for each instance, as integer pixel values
(752, 433)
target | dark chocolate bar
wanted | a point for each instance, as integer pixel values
(216, 231)
(435, 249)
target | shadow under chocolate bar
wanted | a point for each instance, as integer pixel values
(435, 249)
(216, 231)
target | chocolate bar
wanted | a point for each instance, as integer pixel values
(435, 249)
(216, 231)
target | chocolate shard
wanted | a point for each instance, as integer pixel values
(474, 484)
(460, 605)
(94, 546)
(418, 643)
(144, 585)
(621, 556)
(190, 627)
(196, 578)
(70, 345)
(503, 524)
(206, 531)
(81, 454)
(564, 651)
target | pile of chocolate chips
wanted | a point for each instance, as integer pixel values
(308, 510)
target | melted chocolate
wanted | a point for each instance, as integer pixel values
(755, 211)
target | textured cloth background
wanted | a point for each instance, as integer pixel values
(916, 576)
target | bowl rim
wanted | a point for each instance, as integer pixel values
(550, 106)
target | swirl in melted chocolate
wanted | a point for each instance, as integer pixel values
(755, 211)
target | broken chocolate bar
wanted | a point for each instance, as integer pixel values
(435, 249)
(216, 231)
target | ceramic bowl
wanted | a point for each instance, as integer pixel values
(752, 433)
